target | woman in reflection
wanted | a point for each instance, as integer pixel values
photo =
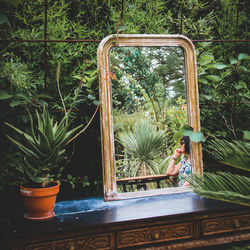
(183, 168)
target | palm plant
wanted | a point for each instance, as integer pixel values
(44, 150)
(142, 147)
(224, 185)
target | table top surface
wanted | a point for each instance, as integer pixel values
(94, 212)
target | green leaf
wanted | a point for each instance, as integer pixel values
(122, 27)
(205, 59)
(20, 132)
(24, 96)
(246, 135)
(233, 60)
(45, 146)
(197, 137)
(177, 135)
(241, 85)
(187, 132)
(213, 78)
(4, 95)
(218, 66)
(24, 149)
(243, 56)
(91, 97)
(14, 103)
(204, 81)
(4, 19)
(208, 97)
(187, 127)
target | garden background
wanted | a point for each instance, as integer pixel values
(35, 59)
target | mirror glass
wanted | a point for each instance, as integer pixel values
(148, 91)
(149, 108)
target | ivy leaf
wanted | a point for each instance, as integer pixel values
(197, 137)
(4, 95)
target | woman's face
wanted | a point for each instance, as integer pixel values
(182, 146)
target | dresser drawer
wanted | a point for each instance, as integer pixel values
(102, 241)
(225, 224)
(154, 234)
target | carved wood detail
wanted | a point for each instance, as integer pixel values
(86, 242)
(154, 234)
(193, 244)
(225, 224)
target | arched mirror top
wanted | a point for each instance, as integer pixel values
(114, 43)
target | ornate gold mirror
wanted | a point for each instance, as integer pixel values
(148, 90)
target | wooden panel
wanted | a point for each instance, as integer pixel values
(154, 234)
(104, 241)
(225, 224)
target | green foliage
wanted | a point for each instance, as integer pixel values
(224, 82)
(142, 148)
(222, 185)
(223, 68)
(236, 153)
(194, 136)
(44, 150)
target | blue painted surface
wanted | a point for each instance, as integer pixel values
(98, 204)
(148, 206)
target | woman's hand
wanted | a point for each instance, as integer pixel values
(177, 153)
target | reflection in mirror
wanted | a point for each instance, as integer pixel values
(148, 90)
(149, 109)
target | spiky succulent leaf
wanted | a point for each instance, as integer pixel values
(21, 132)
(44, 150)
(24, 149)
(36, 179)
(69, 135)
(32, 127)
(44, 142)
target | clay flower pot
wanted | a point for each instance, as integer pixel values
(39, 202)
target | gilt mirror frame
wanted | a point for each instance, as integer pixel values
(105, 95)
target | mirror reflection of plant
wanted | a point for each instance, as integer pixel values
(145, 78)
(142, 148)
(148, 71)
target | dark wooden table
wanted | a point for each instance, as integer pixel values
(182, 221)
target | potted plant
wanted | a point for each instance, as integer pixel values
(42, 149)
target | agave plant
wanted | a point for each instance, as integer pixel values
(143, 146)
(224, 185)
(44, 149)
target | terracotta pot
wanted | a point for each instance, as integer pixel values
(39, 202)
